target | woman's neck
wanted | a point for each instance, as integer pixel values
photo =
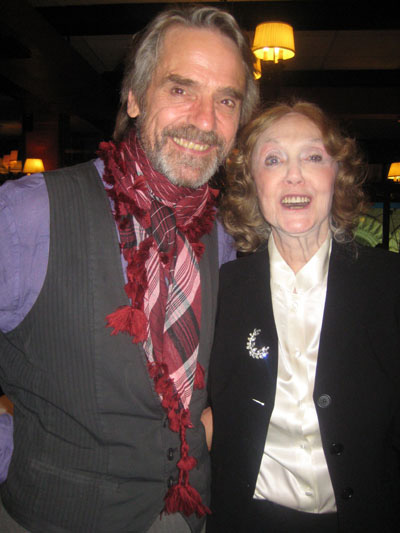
(297, 250)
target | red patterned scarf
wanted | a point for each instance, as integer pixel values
(160, 225)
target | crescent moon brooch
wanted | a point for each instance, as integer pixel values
(256, 353)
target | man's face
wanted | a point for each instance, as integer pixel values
(193, 105)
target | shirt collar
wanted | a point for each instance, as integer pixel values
(313, 273)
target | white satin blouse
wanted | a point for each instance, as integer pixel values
(293, 470)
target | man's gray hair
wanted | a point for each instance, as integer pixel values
(143, 57)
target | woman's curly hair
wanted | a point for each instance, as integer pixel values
(239, 207)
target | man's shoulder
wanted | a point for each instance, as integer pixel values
(14, 193)
(23, 191)
(24, 237)
(93, 167)
(24, 207)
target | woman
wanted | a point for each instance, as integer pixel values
(305, 370)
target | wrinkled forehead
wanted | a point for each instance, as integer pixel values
(291, 127)
(183, 46)
(292, 122)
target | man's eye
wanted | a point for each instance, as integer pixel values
(177, 90)
(228, 102)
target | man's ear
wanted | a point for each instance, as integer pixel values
(132, 107)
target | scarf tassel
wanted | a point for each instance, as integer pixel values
(127, 319)
(198, 249)
(184, 499)
(181, 497)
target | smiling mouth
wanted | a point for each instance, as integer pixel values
(190, 145)
(295, 202)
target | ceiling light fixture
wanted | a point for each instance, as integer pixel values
(274, 41)
(394, 172)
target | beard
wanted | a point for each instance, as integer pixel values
(179, 167)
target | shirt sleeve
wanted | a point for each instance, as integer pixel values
(6, 444)
(24, 246)
(226, 249)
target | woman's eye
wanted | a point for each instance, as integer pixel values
(271, 160)
(316, 158)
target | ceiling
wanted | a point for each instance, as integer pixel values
(66, 56)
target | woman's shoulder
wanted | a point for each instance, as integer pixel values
(367, 269)
(244, 265)
(357, 254)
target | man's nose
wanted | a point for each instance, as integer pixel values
(203, 114)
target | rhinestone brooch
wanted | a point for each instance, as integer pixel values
(256, 353)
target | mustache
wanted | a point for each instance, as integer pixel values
(194, 134)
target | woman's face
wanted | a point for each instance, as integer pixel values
(294, 177)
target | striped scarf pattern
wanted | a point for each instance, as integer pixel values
(160, 226)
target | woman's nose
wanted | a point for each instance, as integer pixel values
(294, 173)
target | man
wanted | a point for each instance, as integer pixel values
(105, 344)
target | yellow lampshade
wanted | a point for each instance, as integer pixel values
(33, 165)
(394, 172)
(274, 41)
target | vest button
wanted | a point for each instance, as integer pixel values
(324, 401)
(336, 448)
(171, 482)
(347, 493)
(170, 454)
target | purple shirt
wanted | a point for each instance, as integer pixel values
(24, 250)
(6, 444)
(24, 245)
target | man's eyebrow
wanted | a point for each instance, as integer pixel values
(231, 92)
(188, 82)
(175, 78)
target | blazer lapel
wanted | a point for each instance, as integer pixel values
(338, 315)
(259, 375)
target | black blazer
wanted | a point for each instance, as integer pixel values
(356, 394)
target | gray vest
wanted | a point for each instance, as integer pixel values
(93, 452)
